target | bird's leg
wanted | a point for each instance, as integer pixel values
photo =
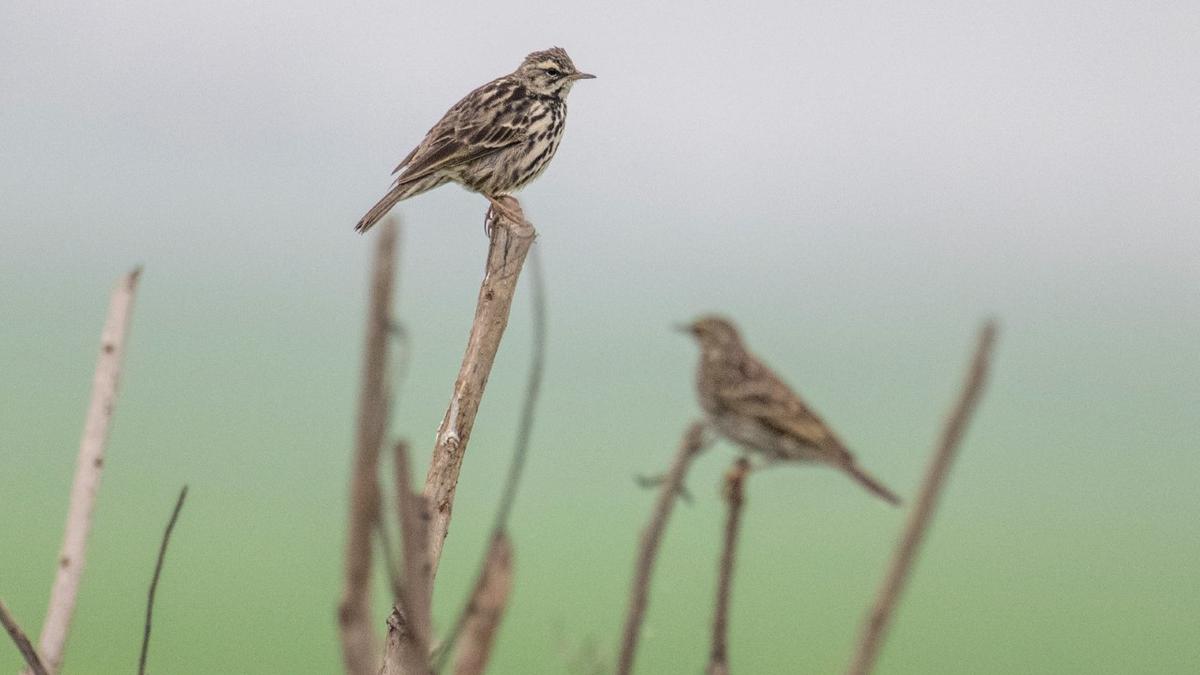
(505, 207)
(499, 208)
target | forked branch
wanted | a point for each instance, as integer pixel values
(516, 465)
(669, 488)
(875, 627)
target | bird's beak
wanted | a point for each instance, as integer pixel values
(684, 328)
(582, 76)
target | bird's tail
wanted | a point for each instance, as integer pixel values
(398, 192)
(869, 482)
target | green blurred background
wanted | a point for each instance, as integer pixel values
(857, 186)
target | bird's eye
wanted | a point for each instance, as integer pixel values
(553, 72)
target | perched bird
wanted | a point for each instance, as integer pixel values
(751, 406)
(495, 140)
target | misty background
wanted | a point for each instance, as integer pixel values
(856, 185)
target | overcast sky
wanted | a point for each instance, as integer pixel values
(1063, 133)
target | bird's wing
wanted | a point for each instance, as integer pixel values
(770, 401)
(404, 162)
(470, 130)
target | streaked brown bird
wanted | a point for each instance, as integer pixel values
(751, 406)
(495, 140)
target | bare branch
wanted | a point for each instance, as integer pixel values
(669, 488)
(162, 554)
(735, 496)
(359, 651)
(533, 387)
(399, 646)
(875, 627)
(409, 639)
(88, 468)
(389, 561)
(516, 466)
(22, 641)
(486, 609)
(510, 243)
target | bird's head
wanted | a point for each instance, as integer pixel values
(550, 73)
(713, 333)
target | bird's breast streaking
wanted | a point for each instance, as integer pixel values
(495, 140)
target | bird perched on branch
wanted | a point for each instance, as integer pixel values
(751, 406)
(495, 140)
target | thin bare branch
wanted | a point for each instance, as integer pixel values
(533, 387)
(486, 609)
(359, 651)
(88, 468)
(162, 554)
(735, 496)
(516, 466)
(409, 639)
(386, 552)
(22, 641)
(875, 627)
(510, 244)
(669, 489)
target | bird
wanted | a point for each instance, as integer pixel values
(495, 140)
(748, 404)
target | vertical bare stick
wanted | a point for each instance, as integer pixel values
(162, 554)
(87, 473)
(735, 496)
(486, 609)
(408, 646)
(22, 641)
(875, 627)
(510, 244)
(359, 655)
(516, 466)
(693, 442)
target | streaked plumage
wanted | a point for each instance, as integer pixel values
(751, 406)
(496, 139)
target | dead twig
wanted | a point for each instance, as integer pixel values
(735, 496)
(486, 609)
(389, 559)
(516, 466)
(410, 627)
(510, 244)
(876, 624)
(162, 554)
(88, 468)
(358, 640)
(22, 641)
(669, 488)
